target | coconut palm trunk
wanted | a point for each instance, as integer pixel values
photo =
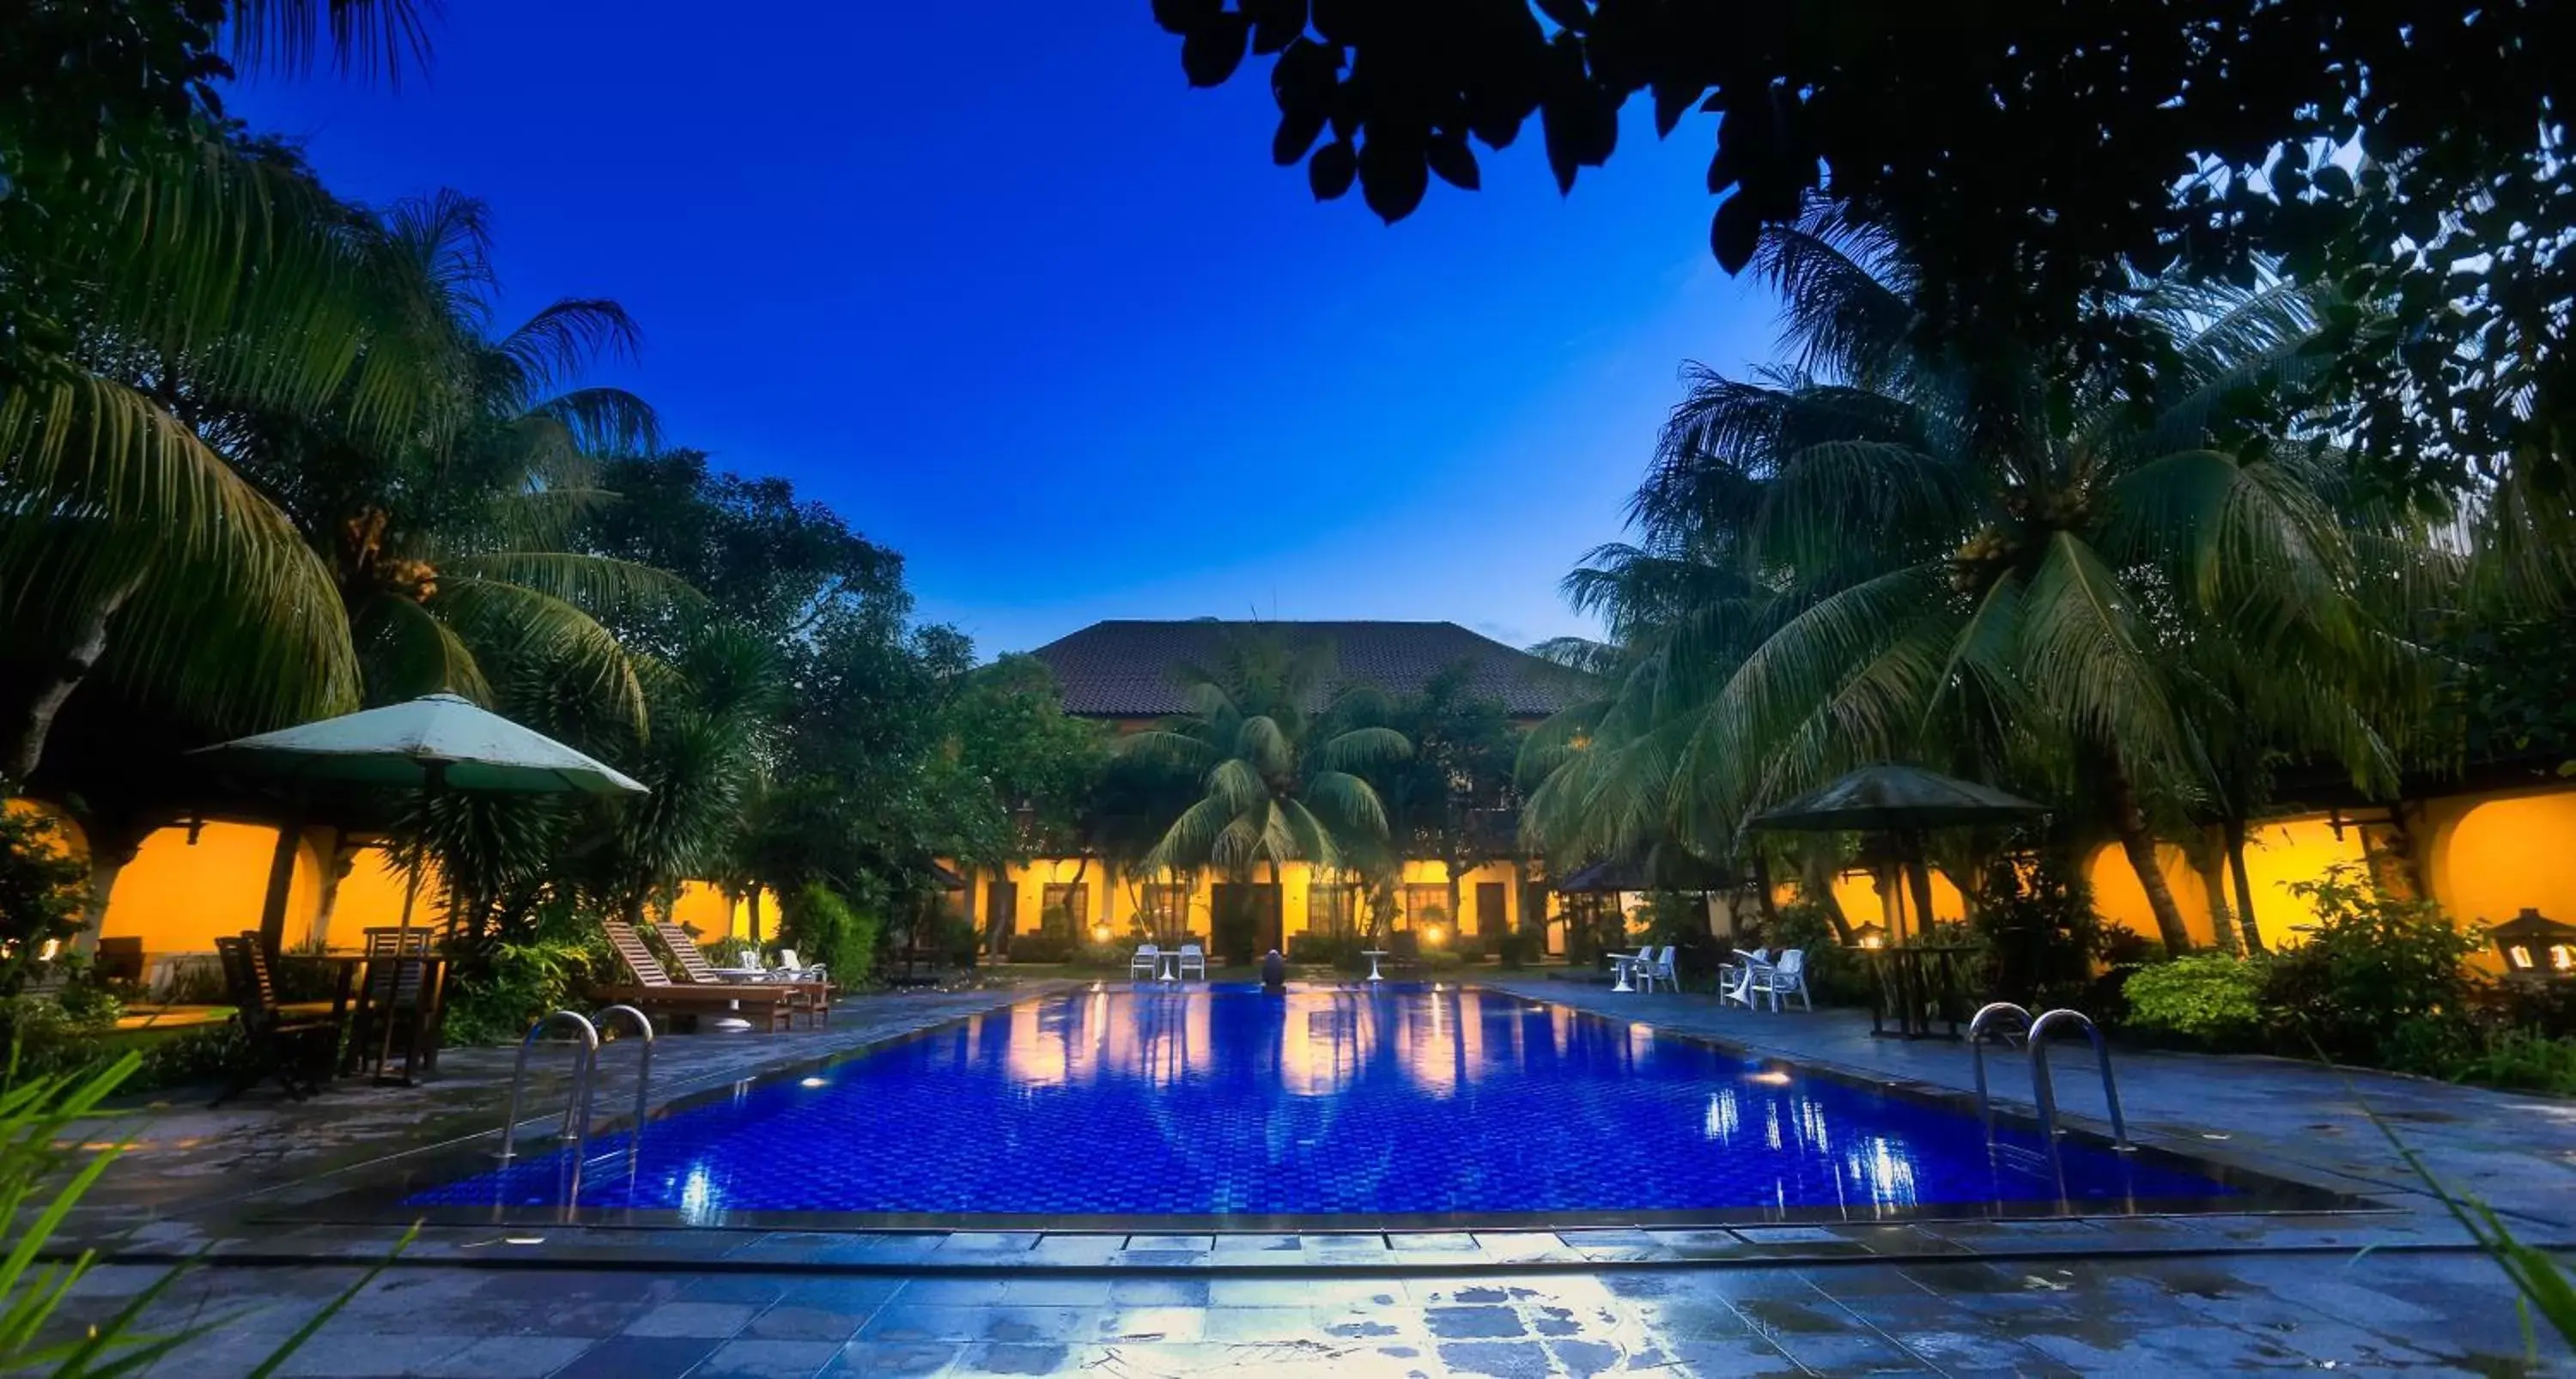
(2236, 831)
(2130, 822)
(26, 742)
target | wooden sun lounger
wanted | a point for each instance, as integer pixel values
(695, 970)
(653, 990)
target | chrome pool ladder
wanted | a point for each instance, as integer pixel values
(576, 1119)
(2035, 1032)
(643, 1074)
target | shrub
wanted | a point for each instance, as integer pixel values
(2041, 935)
(2522, 1059)
(1324, 950)
(2209, 999)
(188, 1057)
(45, 1039)
(500, 988)
(41, 891)
(1520, 948)
(2373, 965)
(1836, 975)
(822, 928)
(1042, 947)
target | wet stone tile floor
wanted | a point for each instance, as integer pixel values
(2384, 1293)
(2411, 1313)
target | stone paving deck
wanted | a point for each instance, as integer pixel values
(2171, 1296)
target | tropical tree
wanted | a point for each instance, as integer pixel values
(1938, 560)
(1443, 797)
(1280, 758)
(461, 541)
(155, 264)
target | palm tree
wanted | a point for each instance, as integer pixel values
(460, 545)
(2000, 561)
(1277, 758)
(151, 261)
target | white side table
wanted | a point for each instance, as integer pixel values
(1373, 954)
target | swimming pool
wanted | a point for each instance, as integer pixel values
(1324, 1106)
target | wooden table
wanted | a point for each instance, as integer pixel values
(1916, 985)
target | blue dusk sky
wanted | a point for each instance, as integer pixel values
(992, 281)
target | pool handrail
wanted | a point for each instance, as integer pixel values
(643, 1072)
(2046, 1094)
(576, 1124)
(1977, 1052)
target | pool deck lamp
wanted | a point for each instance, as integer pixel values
(2536, 947)
(1870, 936)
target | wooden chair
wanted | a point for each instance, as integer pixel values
(764, 1004)
(400, 993)
(293, 1050)
(697, 971)
(120, 961)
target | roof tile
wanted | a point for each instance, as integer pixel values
(1124, 668)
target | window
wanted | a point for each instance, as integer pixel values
(1426, 905)
(1166, 909)
(1064, 908)
(1330, 909)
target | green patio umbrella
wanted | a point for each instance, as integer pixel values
(1906, 801)
(433, 744)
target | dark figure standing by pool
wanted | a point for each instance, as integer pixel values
(1274, 971)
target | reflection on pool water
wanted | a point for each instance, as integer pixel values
(1144, 1101)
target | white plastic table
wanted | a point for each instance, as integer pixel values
(1174, 974)
(1621, 964)
(1373, 954)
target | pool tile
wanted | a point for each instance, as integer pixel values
(896, 1360)
(1016, 1358)
(1151, 1325)
(1200, 1244)
(1500, 1359)
(634, 1357)
(789, 1322)
(1058, 1292)
(1159, 1292)
(768, 1359)
(1259, 1244)
(1259, 1324)
(693, 1319)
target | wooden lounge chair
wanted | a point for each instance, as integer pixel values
(654, 992)
(697, 971)
(295, 1050)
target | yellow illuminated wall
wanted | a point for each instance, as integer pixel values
(178, 897)
(705, 910)
(2279, 854)
(1857, 893)
(2493, 858)
(371, 897)
(2122, 901)
(1117, 905)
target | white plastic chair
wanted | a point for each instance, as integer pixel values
(1662, 971)
(1735, 985)
(1148, 961)
(1788, 977)
(1193, 958)
(793, 969)
(1642, 968)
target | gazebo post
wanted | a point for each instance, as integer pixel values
(281, 879)
(1918, 873)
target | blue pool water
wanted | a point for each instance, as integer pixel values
(1322, 1102)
